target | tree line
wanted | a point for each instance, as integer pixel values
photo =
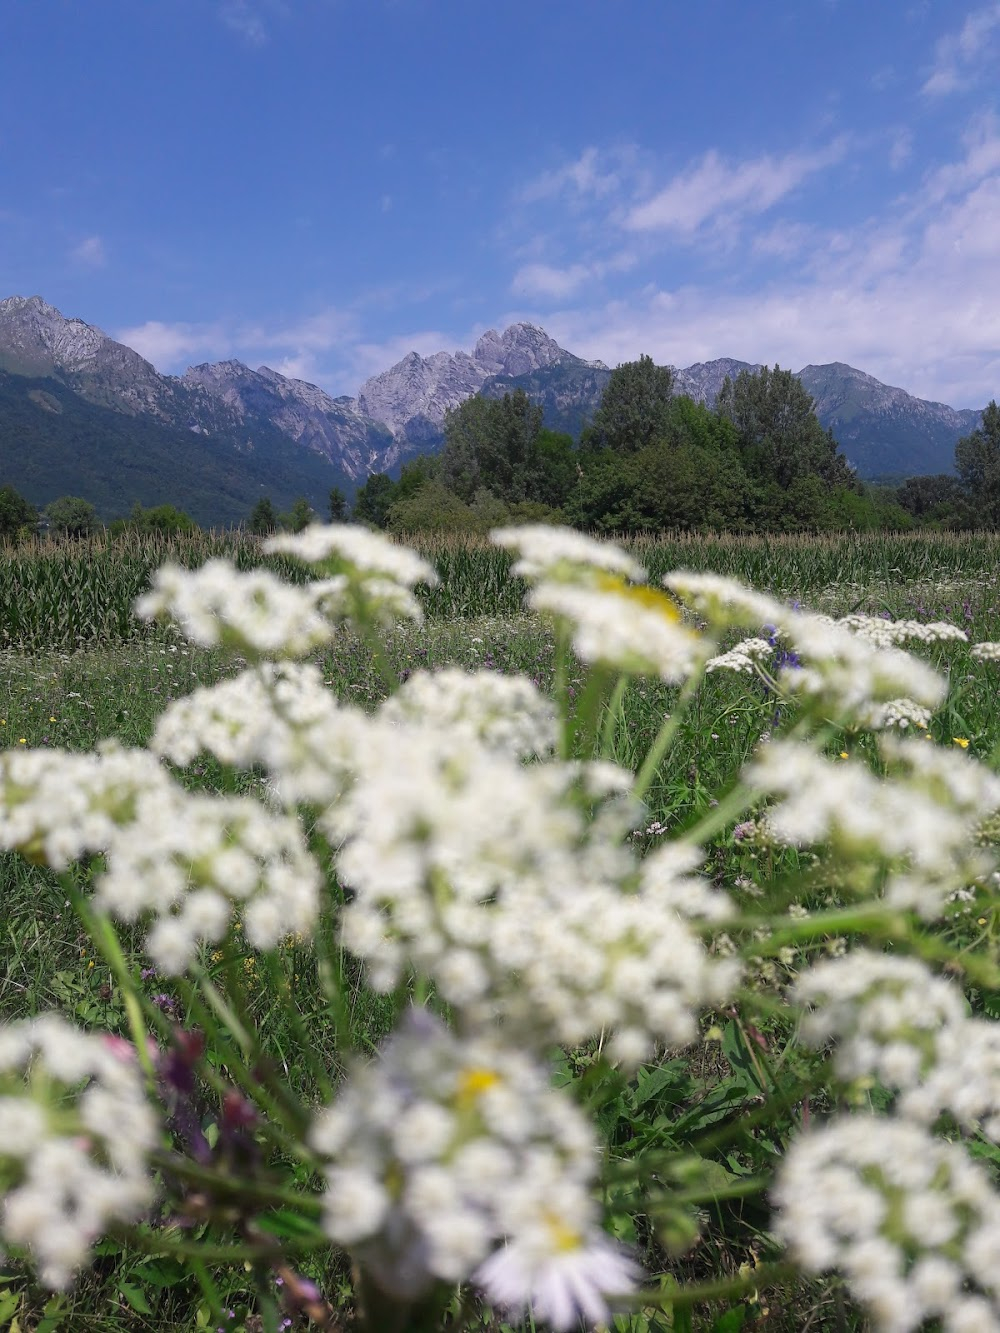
(651, 459)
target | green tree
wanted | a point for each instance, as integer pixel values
(299, 516)
(338, 505)
(72, 516)
(779, 435)
(977, 462)
(635, 407)
(372, 502)
(263, 518)
(16, 514)
(491, 444)
(433, 508)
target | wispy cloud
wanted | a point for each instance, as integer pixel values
(911, 293)
(172, 346)
(246, 19)
(596, 173)
(91, 252)
(963, 57)
(715, 189)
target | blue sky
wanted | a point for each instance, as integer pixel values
(322, 185)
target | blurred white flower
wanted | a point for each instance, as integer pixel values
(75, 1135)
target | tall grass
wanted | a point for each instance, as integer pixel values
(66, 595)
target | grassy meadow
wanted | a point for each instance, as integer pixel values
(76, 667)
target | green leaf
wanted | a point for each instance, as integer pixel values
(732, 1321)
(135, 1297)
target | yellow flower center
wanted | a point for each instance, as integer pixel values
(650, 599)
(564, 1237)
(472, 1083)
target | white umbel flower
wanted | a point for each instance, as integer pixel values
(280, 716)
(366, 553)
(890, 1017)
(57, 806)
(188, 862)
(253, 611)
(743, 657)
(911, 1221)
(563, 555)
(623, 627)
(441, 1148)
(504, 712)
(75, 1136)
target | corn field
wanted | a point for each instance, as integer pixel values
(68, 595)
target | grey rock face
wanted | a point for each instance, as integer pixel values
(303, 412)
(704, 379)
(412, 397)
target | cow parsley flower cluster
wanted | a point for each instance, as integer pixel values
(506, 713)
(888, 1015)
(911, 1221)
(57, 806)
(883, 633)
(76, 1131)
(743, 657)
(253, 612)
(195, 858)
(372, 575)
(918, 822)
(446, 1148)
(280, 716)
(563, 555)
(514, 888)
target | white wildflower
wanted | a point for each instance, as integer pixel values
(442, 1147)
(847, 677)
(627, 628)
(889, 1016)
(725, 603)
(559, 1275)
(515, 889)
(73, 1159)
(253, 611)
(504, 712)
(986, 652)
(908, 1219)
(882, 633)
(189, 860)
(356, 550)
(277, 715)
(965, 1081)
(57, 806)
(900, 714)
(563, 555)
(743, 657)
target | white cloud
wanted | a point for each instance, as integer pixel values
(90, 252)
(900, 149)
(962, 57)
(171, 347)
(715, 189)
(244, 18)
(544, 280)
(594, 173)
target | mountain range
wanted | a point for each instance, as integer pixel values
(81, 413)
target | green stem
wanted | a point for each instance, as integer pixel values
(767, 1275)
(665, 736)
(226, 1185)
(103, 934)
(612, 715)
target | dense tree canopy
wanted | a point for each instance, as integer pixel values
(780, 436)
(635, 407)
(16, 514)
(72, 516)
(977, 462)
